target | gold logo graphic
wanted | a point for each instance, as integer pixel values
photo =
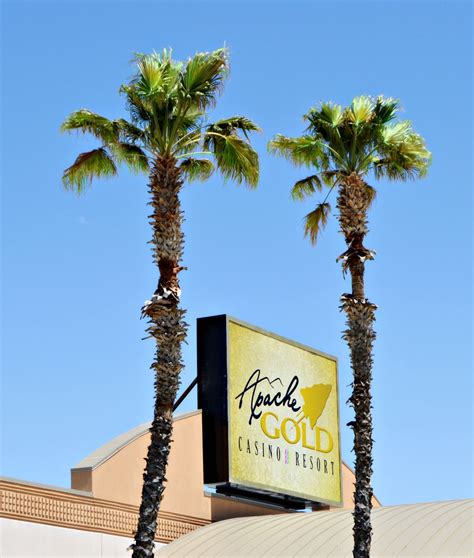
(315, 399)
(294, 430)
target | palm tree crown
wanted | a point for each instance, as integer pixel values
(167, 102)
(360, 139)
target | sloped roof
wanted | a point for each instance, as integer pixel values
(108, 450)
(433, 529)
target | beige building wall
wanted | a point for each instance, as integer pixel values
(115, 472)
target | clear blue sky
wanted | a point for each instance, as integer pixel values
(77, 270)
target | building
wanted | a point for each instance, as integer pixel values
(99, 512)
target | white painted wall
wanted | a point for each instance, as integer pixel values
(34, 540)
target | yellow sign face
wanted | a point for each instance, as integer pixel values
(283, 416)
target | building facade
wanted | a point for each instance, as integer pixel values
(98, 514)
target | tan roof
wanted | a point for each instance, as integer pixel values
(434, 529)
(108, 450)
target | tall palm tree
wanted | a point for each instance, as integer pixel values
(169, 138)
(344, 146)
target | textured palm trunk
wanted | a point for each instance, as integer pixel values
(353, 202)
(167, 326)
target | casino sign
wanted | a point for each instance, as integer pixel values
(270, 416)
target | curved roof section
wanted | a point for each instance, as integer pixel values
(434, 529)
(109, 449)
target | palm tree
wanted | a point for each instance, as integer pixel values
(169, 138)
(344, 146)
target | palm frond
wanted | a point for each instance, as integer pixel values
(157, 76)
(204, 76)
(328, 124)
(91, 164)
(306, 187)
(197, 169)
(187, 129)
(395, 134)
(130, 133)
(191, 120)
(305, 150)
(89, 122)
(385, 110)
(402, 153)
(235, 158)
(134, 157)
(361, 110)
(371, 193)
(316, 220)
(330, 177)
(327, 117)
(234, 124)
(139, 109)
(150, 77)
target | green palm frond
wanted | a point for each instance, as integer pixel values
(329, 115)
(191, 120)
(92, 164)
(330, 177)
(234, 124)
(329, 124)
(235, 158)
(88, 122)
(305, 150)
(134, 157)
(385, 110)
(130, 133)
(204, 77)
(402, 153)
(396, 134)
(187, 143)
(306, 187)
(316, 220)
(157, 75)
(361, 110)
(140, 109)
(151, 76)
(326, 123)
(187, 130)
(197, 169)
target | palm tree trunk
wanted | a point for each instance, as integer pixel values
(167, 326)
(353, 202)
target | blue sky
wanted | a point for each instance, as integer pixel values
(76, 270)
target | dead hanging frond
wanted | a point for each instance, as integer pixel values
(316, 220)
(306, 187)
(353, 254)
(371, 193)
